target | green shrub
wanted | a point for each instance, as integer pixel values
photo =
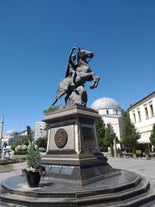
(33, 157)
(20, 152)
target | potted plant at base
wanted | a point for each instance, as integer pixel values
(34, 170)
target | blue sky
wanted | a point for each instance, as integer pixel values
(36, 37)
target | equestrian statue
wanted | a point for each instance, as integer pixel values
(77, 74)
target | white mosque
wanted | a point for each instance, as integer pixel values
(111, 113)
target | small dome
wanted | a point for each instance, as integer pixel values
(105, 103)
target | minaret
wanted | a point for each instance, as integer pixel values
(1, 128)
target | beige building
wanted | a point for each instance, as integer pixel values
(142, 115)
(39, 130)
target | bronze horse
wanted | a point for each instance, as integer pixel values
(83, 74)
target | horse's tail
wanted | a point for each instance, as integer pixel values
(63, 88)
(56, 99)
(60, 92)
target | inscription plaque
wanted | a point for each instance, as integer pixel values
(87, 135)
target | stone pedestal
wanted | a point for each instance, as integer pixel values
(73, 154)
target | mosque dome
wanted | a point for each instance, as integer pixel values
(105, 103)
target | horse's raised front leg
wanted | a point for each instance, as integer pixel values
(93, 77)
(96, 81)
(88, 77)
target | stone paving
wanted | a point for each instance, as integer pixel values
(141, 166)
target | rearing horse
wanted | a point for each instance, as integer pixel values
(83, 74)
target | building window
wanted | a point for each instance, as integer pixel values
(139, 115)
(134, 117)
(117, 112)
(107, 112)
(146, 113)
(151, 110)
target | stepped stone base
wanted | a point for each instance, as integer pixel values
(122, 190)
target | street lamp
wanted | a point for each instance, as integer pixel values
(1, 128)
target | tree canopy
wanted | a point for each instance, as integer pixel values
(109, 136)
(105, 135)
(100, 129)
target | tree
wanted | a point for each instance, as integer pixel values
(25, 140)
(100, 129)
(105, 135)
(129, 134)
(109, 138)
(152, 137)
(42, 142)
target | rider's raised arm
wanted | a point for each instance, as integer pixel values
(72, 58)
(71, 64)
(71, 53)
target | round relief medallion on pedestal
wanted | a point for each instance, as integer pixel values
(61, 138)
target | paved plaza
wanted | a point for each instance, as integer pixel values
(142, 166)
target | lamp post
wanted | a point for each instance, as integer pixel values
(1, 128)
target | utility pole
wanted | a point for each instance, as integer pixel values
(1, 128)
